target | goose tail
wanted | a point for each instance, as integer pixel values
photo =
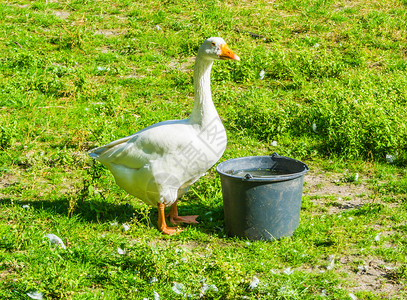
(95, 153)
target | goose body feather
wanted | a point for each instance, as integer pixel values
(159, 163)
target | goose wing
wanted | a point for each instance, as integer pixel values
(157, 141)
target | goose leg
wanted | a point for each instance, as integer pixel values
(176, 219)
(162, 225)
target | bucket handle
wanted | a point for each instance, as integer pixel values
(248, 176)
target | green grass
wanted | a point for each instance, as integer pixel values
(76, 74)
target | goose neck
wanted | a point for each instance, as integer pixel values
(204, 109)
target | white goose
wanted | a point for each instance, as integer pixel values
(159, 163)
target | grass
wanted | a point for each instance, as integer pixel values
(76, 74)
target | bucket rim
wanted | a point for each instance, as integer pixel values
(271, 178)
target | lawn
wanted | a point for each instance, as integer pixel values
(320, 81)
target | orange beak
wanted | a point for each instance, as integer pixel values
(226, 53)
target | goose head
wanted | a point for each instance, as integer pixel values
(215, 48)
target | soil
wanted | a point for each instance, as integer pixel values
(318, 185)
(373, 275)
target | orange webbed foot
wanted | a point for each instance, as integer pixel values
(162, 225)
(176, 219)
(171, 230)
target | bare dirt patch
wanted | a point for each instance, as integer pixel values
(7, 179)
(324, 188)
(109, 32)
(62, 14)
(183, 66)
(365, 274)
(374, 275)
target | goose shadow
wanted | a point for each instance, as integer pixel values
(102, 211)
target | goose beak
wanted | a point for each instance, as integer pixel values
(226, 53)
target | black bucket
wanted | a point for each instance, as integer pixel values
(262, 196)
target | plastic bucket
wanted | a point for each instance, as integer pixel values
(262, 207)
